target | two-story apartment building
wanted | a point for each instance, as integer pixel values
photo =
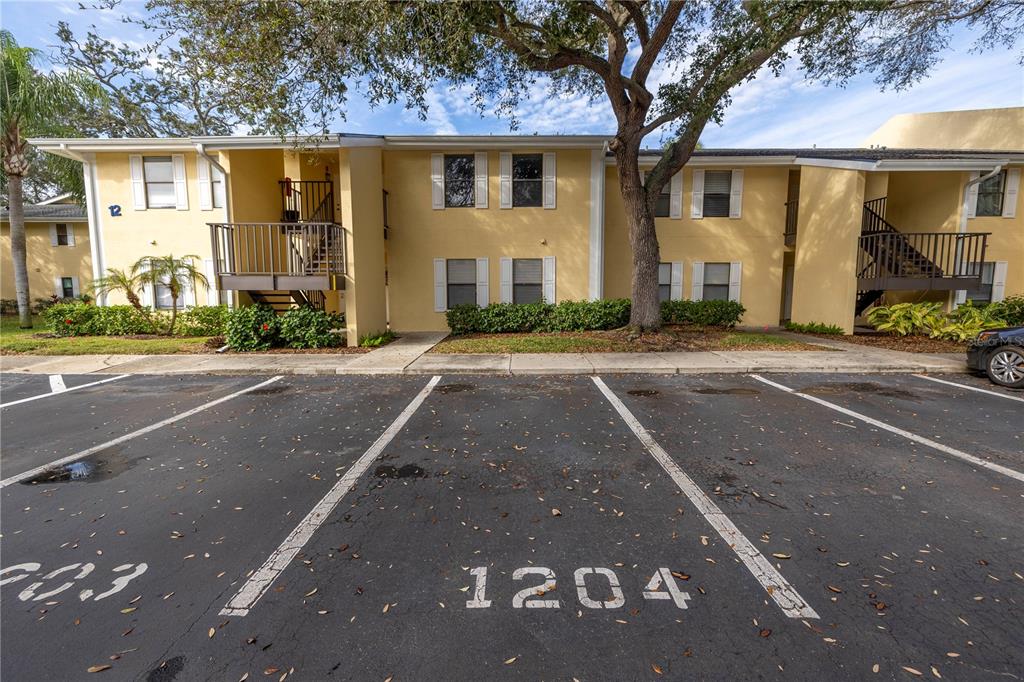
(393, 230)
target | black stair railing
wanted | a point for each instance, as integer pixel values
(307, 201)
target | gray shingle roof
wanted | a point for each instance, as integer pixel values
(58, 212)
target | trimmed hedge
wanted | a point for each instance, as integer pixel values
(577, 316)
(258, 327)
(203, 320)
(310, 328)
(252, 327)
(79, 319)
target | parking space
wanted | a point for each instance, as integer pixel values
(18, 388)
(510, 527)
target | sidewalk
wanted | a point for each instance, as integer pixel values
(408, 355)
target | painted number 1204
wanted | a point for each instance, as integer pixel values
(662, 585)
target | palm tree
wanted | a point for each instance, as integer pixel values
(31, 103)
(117, 279)
(173, 273)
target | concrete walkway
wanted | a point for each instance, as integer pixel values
(408, 355)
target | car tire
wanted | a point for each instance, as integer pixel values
(1005, 366)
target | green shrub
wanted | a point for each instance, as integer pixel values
(1010, 310)
(579, 316)
(499, 318)
(814, 328)
(966, 322)
(702, 313)
(79, 319)
(905, 319)
(376, 339)
(464, 319)
(252, 327)
(202, 320)
(307, 327)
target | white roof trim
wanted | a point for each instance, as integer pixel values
(54, 200)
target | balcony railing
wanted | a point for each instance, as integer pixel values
(307, 201)
(279, 256)
(920, 260)
(791, 218)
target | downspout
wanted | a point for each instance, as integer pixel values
(960, 295)
(201, 150)
(92, 214)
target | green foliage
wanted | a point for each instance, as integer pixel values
(252, 327)
(580, 316)
(702, 313)
(499, 318)
(307, 327)
(906, 319)
(1010, 310)
(78, 319)
(464, 319)
(376, 339)
(814, 328)
(203, 320)
(966, 322)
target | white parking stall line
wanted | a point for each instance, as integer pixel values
(62, 390)
(784, 594)
(57, 384)
(131, 436)
(260, 581)
(969, 388)
(960, 454)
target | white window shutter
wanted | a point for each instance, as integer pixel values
(71, 234)
(676, 281)
(675, 199)
(999, 281)
(549, 279)
(437, 181)
(549, 179)
(53, 234)
(188, 292)
(138, 183)
(211, 276)
(697, 200)
(506, 280)
(205, 191)
(58, 288)
(1010, 193)
(483, 282)
(219, 189)
(480, 169)
(180, 186)
(735, 279)
(74, 286)
(736, 194)
(697, 282)
(505, 179)
(440, 286)
(972, 196)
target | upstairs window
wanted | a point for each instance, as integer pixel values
(527, 180)
(461, 278)
(716, 276)
(527, 280)
(158, 173)
(664, 281)
(217, 187)
(663, 203)
(459, 173)
(717, 186)
(990, 196)
(63, 234)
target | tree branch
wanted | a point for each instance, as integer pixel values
(661, 34)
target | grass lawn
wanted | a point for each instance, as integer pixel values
(670, 338)
(36, 341)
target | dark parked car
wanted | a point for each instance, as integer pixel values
(999, 353)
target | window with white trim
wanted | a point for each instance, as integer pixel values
(717, 188)
(663, 204)
(527, 280)
(664, 282)
(459, 177)
(164, 299)
(716, 280)
(63, 234)
(983, 292)
(67, 287)
(990, 196)
(461, 280)
(216, 187)
(158, 175)
(527, 180)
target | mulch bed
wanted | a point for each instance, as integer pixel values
(908, 344)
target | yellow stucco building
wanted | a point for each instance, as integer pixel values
(393, 230)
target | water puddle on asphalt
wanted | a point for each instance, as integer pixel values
(454, 388)
(869, 387)
(269, 390)
(727, 391)
(643, 392)
(90, 469)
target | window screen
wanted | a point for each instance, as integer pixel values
(216, 187)
(661, 204)
(990, 196)
(62, 234)
(982, 293)
(67, 286)
(717, 185)
(159, 174)
(458, 180)
(527, 280)
(716, 281)
(163, 297)
(461, 281)
(664, 281)
(527, 179)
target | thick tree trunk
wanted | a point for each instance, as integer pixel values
(16, 201)
(645, 313)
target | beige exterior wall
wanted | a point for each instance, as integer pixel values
(1001, 129)
(45, 261)
(418, 234)
(1005, 243)
(362, 212)
(825, 261)
(755, 239)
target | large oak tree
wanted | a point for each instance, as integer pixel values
(664, 67)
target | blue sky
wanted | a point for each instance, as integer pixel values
(769, 112)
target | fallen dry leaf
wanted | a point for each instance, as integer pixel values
(656, 669)
(510, 661)
(211, 633)
(765, 632)
(912, 671)
(97, 668)
(780, 555)
(311, 592)
(555, 511)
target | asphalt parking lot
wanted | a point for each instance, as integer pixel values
(468, 527)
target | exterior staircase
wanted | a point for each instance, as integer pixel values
(283, 301)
